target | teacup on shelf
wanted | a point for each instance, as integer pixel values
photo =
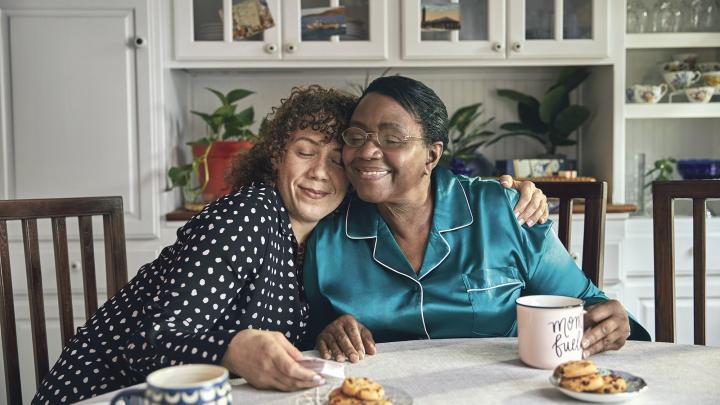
(712, 78)
(689, 58)
(699, 94)
(673, 66)
(682, 79)
(709, 66)
(646, 93)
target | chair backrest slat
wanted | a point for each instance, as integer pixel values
(87, 254)
(699, 266)
(35, 297)
(595, 195)
(62, 270)
(7, 322)
(664, 194)
(57, 209)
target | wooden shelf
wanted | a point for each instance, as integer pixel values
(673, 40)
(674, 110)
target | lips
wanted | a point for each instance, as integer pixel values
(313, 193)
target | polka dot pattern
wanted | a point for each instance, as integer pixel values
(231, 268)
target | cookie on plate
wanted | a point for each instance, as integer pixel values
(612, 384)
(338, 398)
(575, 368)
(363, 388)
(584, 383)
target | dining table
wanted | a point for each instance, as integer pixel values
(489, 371)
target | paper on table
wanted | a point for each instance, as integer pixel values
(326, 368)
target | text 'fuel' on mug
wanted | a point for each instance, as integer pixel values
(550, 329)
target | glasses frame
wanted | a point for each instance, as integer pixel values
(405, 139)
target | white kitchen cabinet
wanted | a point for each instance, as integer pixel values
(203, 32)
(511, 29)
(77, 103)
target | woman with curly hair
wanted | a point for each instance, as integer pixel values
(229, 291)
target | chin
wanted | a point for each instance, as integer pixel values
(370, 196)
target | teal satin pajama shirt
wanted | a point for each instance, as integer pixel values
(478, 261)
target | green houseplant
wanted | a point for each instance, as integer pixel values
(552, 119)
(466, 133)
(228, 134)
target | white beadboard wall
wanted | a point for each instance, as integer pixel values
(457, 88)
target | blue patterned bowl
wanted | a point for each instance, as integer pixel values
(699, 169)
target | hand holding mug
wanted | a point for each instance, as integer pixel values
(607, 327)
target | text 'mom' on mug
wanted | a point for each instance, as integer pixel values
(197, 384)
(550, 329)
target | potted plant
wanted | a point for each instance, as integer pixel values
(551, 120)
(465, 136)
(228, 134)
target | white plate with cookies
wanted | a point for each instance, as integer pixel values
(584, 381)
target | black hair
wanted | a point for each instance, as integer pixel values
(418, 100)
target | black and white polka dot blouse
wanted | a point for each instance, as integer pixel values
(231, 268)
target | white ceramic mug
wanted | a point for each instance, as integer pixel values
(196, 384)
(550, 329)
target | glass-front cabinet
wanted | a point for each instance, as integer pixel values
(280, 29)
(500, 29)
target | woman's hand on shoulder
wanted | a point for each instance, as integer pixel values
(532, 206)
(607, 327)
(345, 339)
(267, 360)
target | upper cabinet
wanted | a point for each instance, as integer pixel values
(266, 30)
(500, 29)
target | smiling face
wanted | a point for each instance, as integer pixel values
(393, 176)
(310, 177)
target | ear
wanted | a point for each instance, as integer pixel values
(434, 153)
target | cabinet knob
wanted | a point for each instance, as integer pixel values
(497, 47)
(140, 42)
(270, 48)
(291, 48)
(517, 46)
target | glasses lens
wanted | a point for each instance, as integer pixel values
(354, 137)
(391, 138)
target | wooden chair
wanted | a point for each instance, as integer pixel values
(595, 196)
(28, 211)
(664, 193)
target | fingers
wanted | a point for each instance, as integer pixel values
(334, 351)
(524, 202)
(607, 327)
(323, 349)
(534, 209)
(292, 373)
(612, 341)
(346, 345)
(356, 350)
(506, 181)
(368, 340)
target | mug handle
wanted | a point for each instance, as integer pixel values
(697, 77)
(663, 89)
(126, 395)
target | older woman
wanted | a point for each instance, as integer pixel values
(420, 253)
(229, 290)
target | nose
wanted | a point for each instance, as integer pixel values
(319, 169)
(370, 149)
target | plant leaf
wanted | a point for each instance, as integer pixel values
(517, 96)
(245, 117)
(560, 140)
(463, 116)
(514, 126)
(570, 119)
(223, 99)
(238, 94)
(534, 136)
(551, 104)
(180, 175)
(530, 116)
(571, 77)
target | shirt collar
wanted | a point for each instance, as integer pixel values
(451, 209)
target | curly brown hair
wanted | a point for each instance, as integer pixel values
(321, 109)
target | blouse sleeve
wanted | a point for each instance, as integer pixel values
(218, 252)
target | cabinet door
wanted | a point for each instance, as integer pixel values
(430, 29)
(76, 104)
(335, 29)
(204, 30)
(546, 29)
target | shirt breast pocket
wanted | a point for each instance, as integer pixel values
(492, 293)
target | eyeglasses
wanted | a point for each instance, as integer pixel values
(387, 138)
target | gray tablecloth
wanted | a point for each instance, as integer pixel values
(488, 371)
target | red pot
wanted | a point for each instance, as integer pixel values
(220, 159)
